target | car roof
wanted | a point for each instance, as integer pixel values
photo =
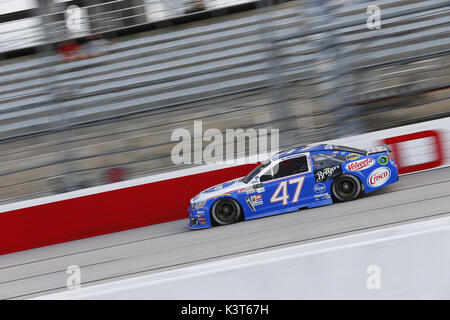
(314, 147)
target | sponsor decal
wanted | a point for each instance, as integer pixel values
(259, 187)
(322, 195)
(319, 188)
(360, 164)
(201, 205)
(352, 156)
(256, 200)
(242, 190)
(223, 194)
(378, 177)
(383, 160)
(327, 173)
(250, 204)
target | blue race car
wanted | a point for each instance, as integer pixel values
(311, 176)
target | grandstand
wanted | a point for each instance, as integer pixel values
(267, 67)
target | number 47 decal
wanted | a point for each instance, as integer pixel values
(283, 189)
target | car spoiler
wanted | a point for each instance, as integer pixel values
(378, 149)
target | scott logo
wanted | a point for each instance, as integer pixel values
(378, 177)
(360, 164)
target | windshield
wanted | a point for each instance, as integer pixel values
(255, 171)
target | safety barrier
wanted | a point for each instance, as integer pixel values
(105, 209)
(165, 197)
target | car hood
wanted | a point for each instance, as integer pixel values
(219, 189)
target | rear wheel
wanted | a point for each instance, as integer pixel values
(225, 211)
(346, 187)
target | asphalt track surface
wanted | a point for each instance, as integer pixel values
(166, 246)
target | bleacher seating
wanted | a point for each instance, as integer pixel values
(167, 77)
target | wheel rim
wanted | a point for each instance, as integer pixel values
(226, 211)
(346, 188)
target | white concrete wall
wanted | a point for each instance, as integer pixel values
(411, 262)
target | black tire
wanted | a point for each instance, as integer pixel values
(225, 211)
(346, 187)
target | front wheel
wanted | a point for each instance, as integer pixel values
(346, 187)
(225, 211)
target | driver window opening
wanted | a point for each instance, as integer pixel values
(287, 168)
(266, 176)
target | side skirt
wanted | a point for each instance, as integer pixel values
(291, 209)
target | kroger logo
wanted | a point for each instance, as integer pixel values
(378, 177)
(319, 188)
(322, 175)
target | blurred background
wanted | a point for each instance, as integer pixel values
(91, 90)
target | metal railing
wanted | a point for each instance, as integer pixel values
(103, 18)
